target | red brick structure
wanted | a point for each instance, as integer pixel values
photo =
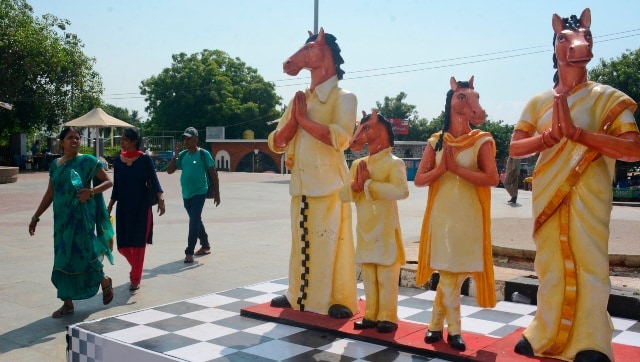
(240, 156)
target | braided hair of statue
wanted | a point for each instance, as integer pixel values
(446, 121)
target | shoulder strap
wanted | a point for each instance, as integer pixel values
(204, 163)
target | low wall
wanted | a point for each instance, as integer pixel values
(8, 174)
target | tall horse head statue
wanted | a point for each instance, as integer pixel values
(462, 108)
(572, 44)
(375, 131)
(320, 55)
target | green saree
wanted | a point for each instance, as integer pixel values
(80, 231)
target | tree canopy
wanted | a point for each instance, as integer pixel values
(45, 75)
(209, 89)
(622, 73)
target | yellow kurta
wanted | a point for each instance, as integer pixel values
(461, 241)
(321, 266)
(572, 208)
(380, 250)
(379, 239)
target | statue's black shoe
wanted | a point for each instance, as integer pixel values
(456, 342)
(364, 324)
(280, 301)
(523, 347)
(433, 336)
(339, 311)
(386, 327)
(590, 355)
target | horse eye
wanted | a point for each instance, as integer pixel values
(588, 35)
(560, 37)
(461, 97)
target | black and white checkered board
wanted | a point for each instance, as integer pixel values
(210, 328)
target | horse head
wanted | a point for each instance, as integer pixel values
(320, 54)
(461, 108)
(572, 41)
(465, 102)
(375, 131)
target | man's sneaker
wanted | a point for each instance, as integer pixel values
(188, 258)
(203, 251)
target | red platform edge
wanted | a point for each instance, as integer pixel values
(410, 336)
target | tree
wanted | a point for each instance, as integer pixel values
(210, 89)
(501, 135)
(45, 74)
(397, 108)
(622, 73)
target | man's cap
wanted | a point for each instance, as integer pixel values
(190, 132)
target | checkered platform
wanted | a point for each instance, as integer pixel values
(210, 328)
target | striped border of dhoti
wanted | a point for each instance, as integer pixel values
(304, 251)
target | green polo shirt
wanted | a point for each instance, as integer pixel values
(194, 177)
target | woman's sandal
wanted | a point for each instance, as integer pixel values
(107, 292)
(63, 311)
(134, 286)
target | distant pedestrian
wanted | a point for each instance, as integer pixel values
(511, 179)
(194, 162)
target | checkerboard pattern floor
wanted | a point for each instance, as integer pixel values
(210, 328)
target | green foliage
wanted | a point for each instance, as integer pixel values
(501, 134)
(45, 74)
(111, 151)
(622, 73)
(210, 89)
(86, 150)
(397, 108)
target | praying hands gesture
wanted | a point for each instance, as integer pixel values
(362, 175)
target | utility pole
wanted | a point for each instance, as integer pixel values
(315, 16)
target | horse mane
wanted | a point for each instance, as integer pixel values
(330, 39)
(571, 23)
(387, 124)
(446, 121)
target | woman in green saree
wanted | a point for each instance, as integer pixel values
(81, 224)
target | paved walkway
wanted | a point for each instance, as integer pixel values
(250, 233)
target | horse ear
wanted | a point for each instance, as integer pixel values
(320, 38)
(310, 33)
(585, 18)
(557, 23)
(364, 114)
(374, 113)
(471, 82)
(453, 83)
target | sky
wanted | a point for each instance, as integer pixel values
(389, 46)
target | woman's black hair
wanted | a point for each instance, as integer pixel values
(66, 130)
(133, 135)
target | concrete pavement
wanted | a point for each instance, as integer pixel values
(250, 234)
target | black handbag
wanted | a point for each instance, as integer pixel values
(152, 194)
(211, 192)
